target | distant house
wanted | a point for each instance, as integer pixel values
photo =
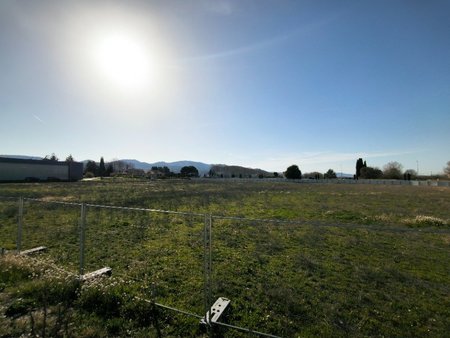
(13, 170)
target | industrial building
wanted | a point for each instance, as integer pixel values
(17, 170)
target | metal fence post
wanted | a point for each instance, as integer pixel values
(207, 271)
(82, 237)
(210, 270)
(210, 263)
(19, 226)
(205, 264)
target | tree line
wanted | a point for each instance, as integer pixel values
(121, 168)
(91, 169)
(392, 170)
(293, 172)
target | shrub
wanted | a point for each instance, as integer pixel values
(89, 175)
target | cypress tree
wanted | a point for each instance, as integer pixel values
(359, 165)
(101, 168)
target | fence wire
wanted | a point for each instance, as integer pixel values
(254, 266)
(53, 225)
(9, 213)
(280, 275)
(283, 277)
(161, 248)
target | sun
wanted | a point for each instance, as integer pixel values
(122, 60)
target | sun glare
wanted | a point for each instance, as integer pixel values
(124, 62)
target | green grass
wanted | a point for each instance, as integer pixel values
(350, 260)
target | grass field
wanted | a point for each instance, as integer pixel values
(330, 260)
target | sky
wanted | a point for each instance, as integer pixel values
(258, 83)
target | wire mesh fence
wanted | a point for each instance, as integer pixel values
(284, 278)
(9, 211)
(159, 248)
(53, 225)
(256, 263)
(300, 278)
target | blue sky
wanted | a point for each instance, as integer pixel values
(255, 83)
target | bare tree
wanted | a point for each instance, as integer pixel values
(447, 169)
(393, 170)
(120, 166)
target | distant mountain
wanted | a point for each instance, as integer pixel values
(175, 167)
(137, 164)
(202, 168)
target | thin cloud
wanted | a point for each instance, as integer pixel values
(220, 7)
(240, 50)
(267, 43)
(38, 118)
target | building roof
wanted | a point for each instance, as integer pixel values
(29, 161)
